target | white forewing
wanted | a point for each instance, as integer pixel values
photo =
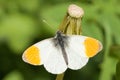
(75, 52)
(37, 53)
(52, 57)
(45, 46)
(55, 62)
(75, 60)
(76, 43)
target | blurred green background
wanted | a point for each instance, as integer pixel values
(21, 25)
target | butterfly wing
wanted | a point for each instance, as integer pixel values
(80, 49)
(37, 53)
(45, 52)
(55, 62)
(75, 60)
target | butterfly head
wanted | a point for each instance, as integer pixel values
(58, 34)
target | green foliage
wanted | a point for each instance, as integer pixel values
(14, 75)
(118, 71)
(17, 29)
(22, 24)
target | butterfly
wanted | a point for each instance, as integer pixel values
(62, 51)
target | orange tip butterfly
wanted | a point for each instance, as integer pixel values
(62, 52)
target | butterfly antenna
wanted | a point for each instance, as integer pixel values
(51, 26)
(48, 24)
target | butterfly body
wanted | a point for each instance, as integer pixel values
(62, 52)
(60, 41)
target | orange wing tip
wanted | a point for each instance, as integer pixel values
(92, 47)
(32, 56)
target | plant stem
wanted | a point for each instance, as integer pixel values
(60, 76)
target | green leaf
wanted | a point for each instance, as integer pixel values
(14, 75)
(113, 21)
(90, 28)
(107, 72)
(17, 30)
(53, 16)
(115, 51)
(118, 71)
(29, 5)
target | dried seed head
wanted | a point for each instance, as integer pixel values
(75, 11)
